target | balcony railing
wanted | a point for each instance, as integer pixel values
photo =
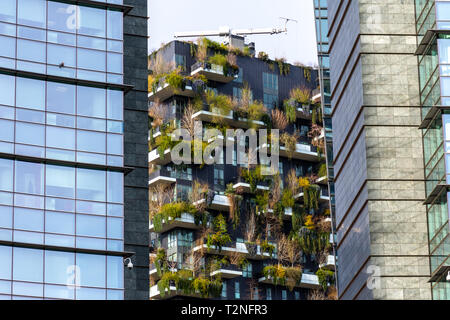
(231, 119)
(255, 253)
(212, 72)
(186, 221)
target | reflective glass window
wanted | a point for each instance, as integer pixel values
(115, 24)
(91, 102)
(23, 259)
(30, 93)
(92, 21)
(6, 174)
(56, 266)
(60, 97)
(7, 90)
(61, 55)
(60, 181)
(91, 59)
(28, 219)
(8, 47)
(61, 16)
(92, 269)
(8, 12)
(32, 13)
(59, 222)
(30, 133)
(5, 258)
(29, 177)
(91, 141)
(115, 104)
(91, 226)
(91, 184)
(115, 187)
(60, 137)
(30, 50)
(115, 272)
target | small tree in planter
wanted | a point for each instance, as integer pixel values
(325, 276)
(221, 237)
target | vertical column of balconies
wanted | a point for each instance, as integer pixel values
(432, 21)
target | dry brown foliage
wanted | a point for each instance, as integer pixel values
(186, 121)
(316, 295)
(288, 251)
(159, 196)
(158, 112)
(292, 182)
(160, 66)
(279, 119)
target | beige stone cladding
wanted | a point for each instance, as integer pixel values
(397, 216)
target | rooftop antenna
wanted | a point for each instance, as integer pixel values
(286, 20)
(226, 31)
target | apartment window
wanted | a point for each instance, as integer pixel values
(268, 294)
(297, 295)
(255, 293)
(180, 61)
(304, 131)
(224, 290)
(182, 192)
(283, 295)
(185, 238)
(237, 290)
(247, 272)
(270, 88)
(270, 100)
(219, 177)
(184, 173)
(240, 76)
(172, 239)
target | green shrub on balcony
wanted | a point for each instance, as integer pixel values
(322, 170)
(267, 247)
(288, 276)
(287, 199)
(312, 241)
(184, 282)
(252, 177)
(171, 211)
(220, 102)
(206, 287)
(276, 273)
(311, 195)
(290, 111)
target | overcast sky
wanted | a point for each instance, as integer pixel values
(170, 16)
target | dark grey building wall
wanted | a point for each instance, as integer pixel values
(136, 150)
(349, 148)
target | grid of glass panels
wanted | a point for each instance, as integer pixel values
(61, 121)
(62, 39)
(61, 206)
(54, 274)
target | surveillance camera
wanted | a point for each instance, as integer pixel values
(129, 264)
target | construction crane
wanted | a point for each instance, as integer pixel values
(234, 34)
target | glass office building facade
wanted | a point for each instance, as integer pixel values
(433, 25)
(61, 149)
